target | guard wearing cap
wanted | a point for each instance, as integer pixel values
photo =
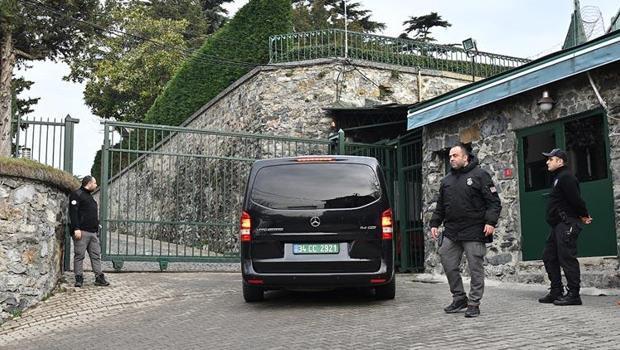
(566, 212)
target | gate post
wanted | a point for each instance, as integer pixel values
(341, 142)
(103, 194)
(68, 144)
(68, 167)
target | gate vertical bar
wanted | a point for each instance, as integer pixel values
(402, 212)
(103, 196)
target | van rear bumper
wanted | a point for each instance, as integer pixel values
(316, 280)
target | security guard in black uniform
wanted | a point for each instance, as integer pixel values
(84, 217)
(468, 205)
(566, 212)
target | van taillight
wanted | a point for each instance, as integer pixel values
(246, 226)
(386, 224)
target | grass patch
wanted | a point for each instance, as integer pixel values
(17, 313)
(30, 169)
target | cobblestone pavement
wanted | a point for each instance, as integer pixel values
(207, 311)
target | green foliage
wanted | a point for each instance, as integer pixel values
(224, 58)
(21, 107)
(45, 29)
(206, 74)
(131, 73)
(310, 15)
(214, 13)
(16, 313)
(39, 30)
(422, 25)
(95, 169)
(125, 73)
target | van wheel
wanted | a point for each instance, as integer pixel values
(387, 291)
(252, 293)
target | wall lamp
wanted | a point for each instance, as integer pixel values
(546, 102)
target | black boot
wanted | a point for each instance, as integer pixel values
(571, 298)
(100, 281)
(553, 295)
(79, 280)
(472, 311)
(456, 306)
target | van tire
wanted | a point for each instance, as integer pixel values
(252, 294)
(386, 291)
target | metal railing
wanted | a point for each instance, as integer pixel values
(330, 43)
(47, 142)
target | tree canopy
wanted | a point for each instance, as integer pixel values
(38, 30)
(309, 15)
(240, 45)
(126, 69)
(421, 26)
(226, 56)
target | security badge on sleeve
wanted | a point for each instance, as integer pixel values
(471, 182)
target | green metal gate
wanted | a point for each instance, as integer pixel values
(173, 194)
(409, 203)
(401, 160)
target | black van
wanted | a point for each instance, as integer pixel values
(316, 222)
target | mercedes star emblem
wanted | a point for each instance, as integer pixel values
(315, 221)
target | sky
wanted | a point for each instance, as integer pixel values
(522, 28)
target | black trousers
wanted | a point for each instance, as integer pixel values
(561, 251)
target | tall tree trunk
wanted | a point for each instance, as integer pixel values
(7, 62)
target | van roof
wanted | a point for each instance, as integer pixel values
(336, 158)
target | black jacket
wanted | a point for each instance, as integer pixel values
(83, 212)
(467, 201)
(565, 198)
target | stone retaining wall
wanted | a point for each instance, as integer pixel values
(32, 219)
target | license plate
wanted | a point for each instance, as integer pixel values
(317, 248)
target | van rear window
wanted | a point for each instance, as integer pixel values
(315, 186)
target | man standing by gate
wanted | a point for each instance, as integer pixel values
(566, 211)
(469, 207)
(84, 217)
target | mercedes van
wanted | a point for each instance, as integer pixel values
(316, 223)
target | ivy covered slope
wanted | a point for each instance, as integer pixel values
(225, 57)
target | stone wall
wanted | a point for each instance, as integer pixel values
(491, 130)
(288, 99)
(284, 100)
(32, 219)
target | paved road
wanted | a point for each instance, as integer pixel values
(206, 311)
